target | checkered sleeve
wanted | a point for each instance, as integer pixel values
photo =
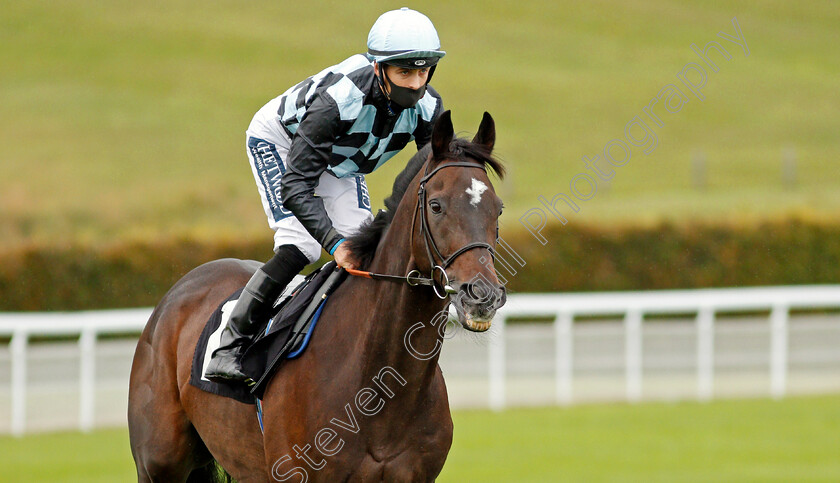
(308, 159)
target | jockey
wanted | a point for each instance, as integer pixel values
(309, 150)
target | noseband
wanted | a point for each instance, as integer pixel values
(414, 277)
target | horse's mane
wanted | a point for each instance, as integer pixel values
(364, 242)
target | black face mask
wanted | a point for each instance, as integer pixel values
(403, 96)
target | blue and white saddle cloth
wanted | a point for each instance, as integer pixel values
(286, 335)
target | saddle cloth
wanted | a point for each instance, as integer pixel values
(286, 336)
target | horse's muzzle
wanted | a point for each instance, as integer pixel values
(476, 303)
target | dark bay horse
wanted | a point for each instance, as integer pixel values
(367, 400)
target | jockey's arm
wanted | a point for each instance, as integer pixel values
(307, 161)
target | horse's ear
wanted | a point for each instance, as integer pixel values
(486, 134)
(442, 135)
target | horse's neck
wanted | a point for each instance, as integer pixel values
(396, 311)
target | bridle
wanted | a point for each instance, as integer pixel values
(429, 240)
(414, 277)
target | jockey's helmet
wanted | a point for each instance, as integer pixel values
(404, 38)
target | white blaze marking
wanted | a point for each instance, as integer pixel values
(475, 191)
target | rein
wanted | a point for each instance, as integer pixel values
(414, 277)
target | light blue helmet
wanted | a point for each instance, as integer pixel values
(405, 38)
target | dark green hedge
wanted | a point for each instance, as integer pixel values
(669, 257)
(120, 275)
(576, 258)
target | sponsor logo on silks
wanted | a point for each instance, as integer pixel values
(362, 192)
(420, 62)
(270, 170)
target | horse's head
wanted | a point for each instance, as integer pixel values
(456, 222)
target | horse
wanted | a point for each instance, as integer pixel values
(367, 400)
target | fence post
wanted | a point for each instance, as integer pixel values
(18, 353)
(778, 350)
(87, 379)
(633, 354)
(496, 365)
(705, 353)
(563, 347)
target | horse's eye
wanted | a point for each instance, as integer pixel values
(435, 206)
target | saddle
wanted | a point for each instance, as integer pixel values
(286, 334)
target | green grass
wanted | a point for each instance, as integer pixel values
(125, 119)
(795, 439)
(101, 456)
(738, 441)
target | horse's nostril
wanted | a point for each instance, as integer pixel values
(482, 293)
(477, 291)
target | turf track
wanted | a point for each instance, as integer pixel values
(795, 439)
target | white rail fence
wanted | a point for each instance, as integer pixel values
(88, 326)
(538, 359)
(705, 304)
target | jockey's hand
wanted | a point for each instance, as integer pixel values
(344, 257)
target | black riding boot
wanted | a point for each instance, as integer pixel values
(252, 310)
